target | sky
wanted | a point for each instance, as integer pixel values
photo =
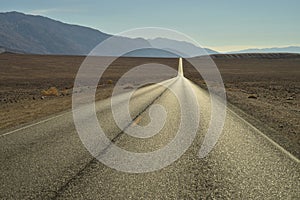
(223, 25)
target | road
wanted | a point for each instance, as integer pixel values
(47, 160)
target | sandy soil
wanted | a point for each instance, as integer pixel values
(263, 88)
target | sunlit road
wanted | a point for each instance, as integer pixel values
(47, 160)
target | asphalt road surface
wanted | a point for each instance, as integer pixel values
(47, 160)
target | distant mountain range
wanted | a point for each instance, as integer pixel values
(290, 49)
(22, 33)
(41, 35)
(186, 48)
(163, 47)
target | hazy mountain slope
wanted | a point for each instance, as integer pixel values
(185, 47)
(290, 49)
(256, 56)
(40, 35)
(8, 50)
(151, 52)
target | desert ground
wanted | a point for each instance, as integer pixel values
(262, 88)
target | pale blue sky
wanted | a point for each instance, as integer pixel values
(223, 25)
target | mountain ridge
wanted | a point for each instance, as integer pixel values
(42, 35)
(37, 34)
(287, 49)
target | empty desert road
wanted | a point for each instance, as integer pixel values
(47, 160)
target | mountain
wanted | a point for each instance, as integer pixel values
(163, 47)
(152, 52)
(22, 33)
(185, 47)
(290, 49)
(8, 50)
(256, 56)
(41, 35)
(210, 51)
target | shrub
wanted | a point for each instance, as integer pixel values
(52, 91)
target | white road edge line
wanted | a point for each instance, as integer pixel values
(30, 125)
(246, 122)
(48, 119)
(40, 122)
(266, 137)
(291, 156)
